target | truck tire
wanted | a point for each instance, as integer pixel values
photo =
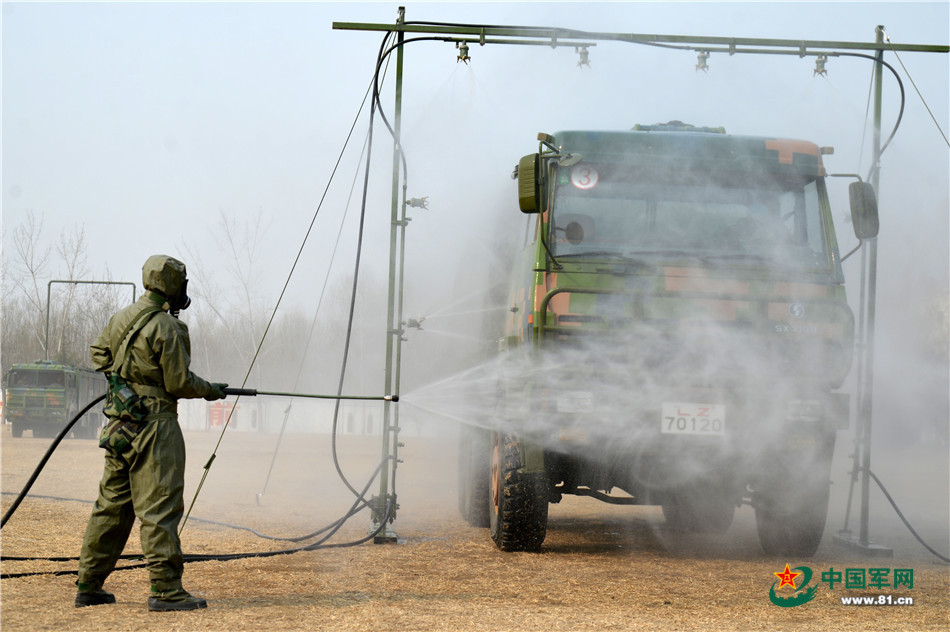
(474, 476)
(792, 505)
(16, 430)
(699, 509)
(518, 505)
(792, 529)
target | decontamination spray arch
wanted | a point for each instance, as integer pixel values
(461, 35)
(464, 34)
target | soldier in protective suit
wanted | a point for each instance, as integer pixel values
(145, 352)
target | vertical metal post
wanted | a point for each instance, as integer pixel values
(394, 329)
(867, 391)
(49, 287)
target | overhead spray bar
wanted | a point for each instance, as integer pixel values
(555, 37)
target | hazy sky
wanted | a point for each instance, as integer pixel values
(144, 122)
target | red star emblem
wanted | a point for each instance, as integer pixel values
(787, 577)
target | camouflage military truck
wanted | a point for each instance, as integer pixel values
(677, 333)
(44, 397)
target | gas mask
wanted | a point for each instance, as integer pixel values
(181, 300)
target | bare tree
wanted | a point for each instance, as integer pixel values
(28, 268)
(231, 316)
(81, 310)
(71, 249)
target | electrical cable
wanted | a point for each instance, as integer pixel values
(922, 100)
(293, 268)
(218, 523)
(320, 544)
(376, 106)
(382, 115)
(49, 452)
(326, 280)
(356, 275)
(867, 115)
(313, 323)
(901, 515)
(900, 84)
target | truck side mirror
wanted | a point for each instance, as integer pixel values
(529, 184)
(864, 216)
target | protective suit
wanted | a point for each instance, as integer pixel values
(148, 348)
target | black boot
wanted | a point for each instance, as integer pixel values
(90, 595)
(175, 599)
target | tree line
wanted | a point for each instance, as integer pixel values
(227, 319)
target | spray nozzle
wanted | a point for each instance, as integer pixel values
(701, 61)
(584, 56)
(415, 323)
(463, 52)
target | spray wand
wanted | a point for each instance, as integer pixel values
(253, 392)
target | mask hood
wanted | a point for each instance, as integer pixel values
(167, 276)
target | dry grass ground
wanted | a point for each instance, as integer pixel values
(601, 568)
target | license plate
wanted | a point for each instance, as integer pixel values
(693, 419)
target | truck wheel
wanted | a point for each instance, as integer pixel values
(792, 529)
(17, 431)
(474, 476)
(791, 507)
(518, 506)
(698, 510)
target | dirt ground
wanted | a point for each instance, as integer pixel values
(601, 567)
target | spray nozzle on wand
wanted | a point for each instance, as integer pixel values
(252, 392)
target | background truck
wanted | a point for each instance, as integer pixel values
(44, 397)
(677, 330)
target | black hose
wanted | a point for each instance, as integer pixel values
(900, 84)
(901, 515)
(46, 457)
(225, 557)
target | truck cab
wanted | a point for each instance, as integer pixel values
(677, 335)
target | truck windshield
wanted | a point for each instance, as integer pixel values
(605, 210)
(23, 378)
(50, 378)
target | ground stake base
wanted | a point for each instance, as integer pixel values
(847, 540)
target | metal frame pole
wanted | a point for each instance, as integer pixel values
(867, 391)
(387, 496)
